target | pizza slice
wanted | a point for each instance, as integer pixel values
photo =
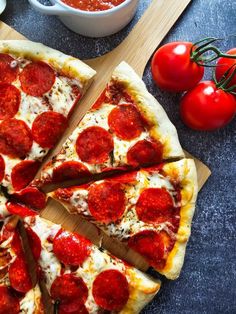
(81, 278)
(151, 210)
(125, 128)
(17, 295)
(39, 88)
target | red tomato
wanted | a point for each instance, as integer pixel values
(172, 68)
(224, 64)
(207, 107)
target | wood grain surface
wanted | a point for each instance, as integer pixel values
(136, 49)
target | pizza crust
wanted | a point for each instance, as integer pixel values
(61, 62)
(185, 171)
(150, 108)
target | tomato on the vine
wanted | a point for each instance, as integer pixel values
(173, 69)
(207, 107)
(224, 64)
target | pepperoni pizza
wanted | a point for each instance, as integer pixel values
(17, 295)
(150, 209)
(81, 278)
(124, 129)
(39, 87)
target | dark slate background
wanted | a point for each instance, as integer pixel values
(208, 280)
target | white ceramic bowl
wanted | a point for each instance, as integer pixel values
(87, 23)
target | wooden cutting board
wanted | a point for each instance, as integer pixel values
(136, 49)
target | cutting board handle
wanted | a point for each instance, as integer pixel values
(146, 36)
(143, 40)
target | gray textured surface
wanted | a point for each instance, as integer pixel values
(208, 280)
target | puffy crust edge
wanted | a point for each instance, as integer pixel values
(161, 127)
(185, 171)
(69, 65)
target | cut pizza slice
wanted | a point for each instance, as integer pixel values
(39, 88)
(125, 128)
(17, 294)
(151, 210)
(81, 278)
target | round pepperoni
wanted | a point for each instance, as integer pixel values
(126, 122)
(71, 248)
(23, 173)
(155, 205)
(111, 290)
(9, 101)
(70, 291)
(8, 68)
(2, 168)
(37, 78)
(32, 197)
(34, 243)
(48, 127)
(94, 145)
(20, 210)
(152, 245)
(69, 170)
(106, 201)
(19, 276)
(8, 302)
(145, 152)
(15, 138)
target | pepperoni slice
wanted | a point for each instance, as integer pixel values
(106, 201)
(94, 145)
(9, 101)
(111, 290)
(9, 303)
(152, 245)
(20, 210)
(128, 177)
(48, 127)
(69, 170)
(70, 291)
(155, 205)
(81, 310)
(126, 122)
(8, 68)
(23, 173)
(71, 248)
(15, 138)
(34, 242)
(19, 276)
(32, 197)
(2, 168)
(37, 78)
(145, 152)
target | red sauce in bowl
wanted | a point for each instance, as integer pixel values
(93, 5)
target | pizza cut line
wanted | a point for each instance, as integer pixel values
(17, 295)
(125, 128)
(81, 278)
(39, 88)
